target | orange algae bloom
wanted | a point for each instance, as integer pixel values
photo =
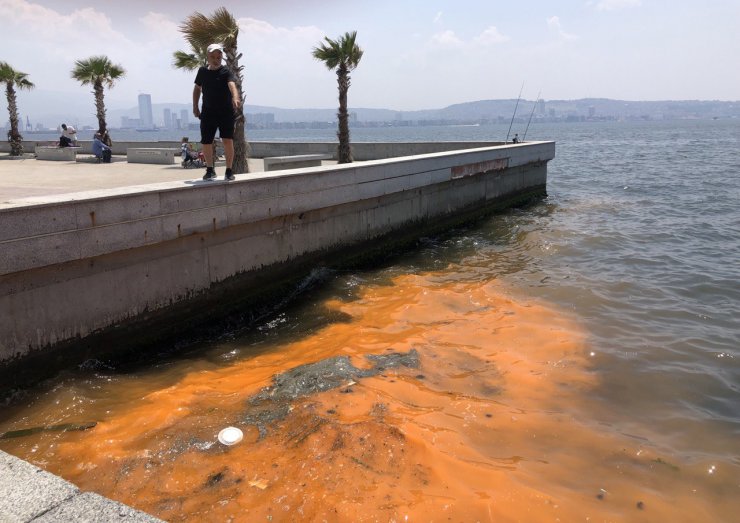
(490, 427)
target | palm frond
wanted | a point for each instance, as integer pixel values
(10, 76)
(97, 69)
(343, 51)
(198, 30)
(187, 61)
(225, 27)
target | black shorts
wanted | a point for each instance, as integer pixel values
(210, 122)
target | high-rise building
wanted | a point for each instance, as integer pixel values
(145, 111)
(168, 119)
(184, 119)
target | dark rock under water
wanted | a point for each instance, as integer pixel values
(273, 403)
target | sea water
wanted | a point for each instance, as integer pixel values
(579, 359)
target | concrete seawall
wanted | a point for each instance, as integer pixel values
(361, 151)
(89, 270)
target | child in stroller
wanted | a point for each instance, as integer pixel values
(190, 158)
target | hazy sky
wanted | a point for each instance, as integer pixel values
(419, 54)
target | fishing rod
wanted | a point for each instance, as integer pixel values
(513, 115)
(530, 115)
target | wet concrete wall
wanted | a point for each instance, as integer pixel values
(73, 268)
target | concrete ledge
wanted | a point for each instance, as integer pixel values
(151, 155)
(58, 154)
(106, 221)
(274, 163)
(32, 494)
(361, 151)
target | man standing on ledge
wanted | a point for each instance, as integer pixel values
(220, 101)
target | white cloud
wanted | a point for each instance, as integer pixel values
(438, 18)
(259, 30)
(161, 27)
(80, 25)
(278, 61)
(59, 38)
(266, 41)
(554, 24)
(491, 36)
(447, 39)
(611, 5)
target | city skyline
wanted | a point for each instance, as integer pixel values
(177, 116)
(418, 54)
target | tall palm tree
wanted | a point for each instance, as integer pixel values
(200, 31)
(12, 79)
(99, 72)
(342, 54)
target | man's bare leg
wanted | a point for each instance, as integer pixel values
(228, 151)
(208, 154)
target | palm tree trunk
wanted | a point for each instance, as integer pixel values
(241, 147)
(100, 105)
(14, 136)
(344, 152)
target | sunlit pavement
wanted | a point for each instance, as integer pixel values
(28, 177)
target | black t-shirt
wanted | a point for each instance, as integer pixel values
(214, 84)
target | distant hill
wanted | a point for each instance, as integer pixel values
(79, 111)
(586, 107)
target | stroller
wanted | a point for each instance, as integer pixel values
(191, 158)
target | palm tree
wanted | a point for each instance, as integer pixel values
(343, 54)
(99, 72)
(12, 79)
(200, 31)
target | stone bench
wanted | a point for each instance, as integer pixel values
(152, 155)
(58, 154)
(275, 163)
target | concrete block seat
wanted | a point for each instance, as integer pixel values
(56, 153)
(163, 155)
(275, 163)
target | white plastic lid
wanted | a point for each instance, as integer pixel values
(230, 436)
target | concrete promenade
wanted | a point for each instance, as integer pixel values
(30, 494)
(35, 179)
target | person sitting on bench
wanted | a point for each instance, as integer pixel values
(99, 149)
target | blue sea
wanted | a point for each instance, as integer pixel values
(620, 294)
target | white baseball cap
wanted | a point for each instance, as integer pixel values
(215, 47)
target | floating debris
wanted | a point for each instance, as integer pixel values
(259, 483)
(230, 436)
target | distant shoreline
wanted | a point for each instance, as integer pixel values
(49, 115)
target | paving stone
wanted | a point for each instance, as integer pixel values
(28, 491)
(94, 508)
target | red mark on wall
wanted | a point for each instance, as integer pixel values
(471, 169)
